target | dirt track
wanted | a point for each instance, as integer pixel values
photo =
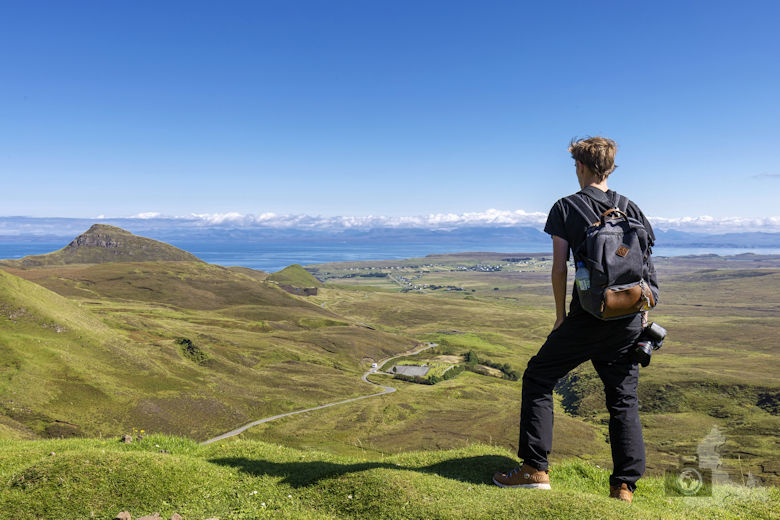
(385, 390)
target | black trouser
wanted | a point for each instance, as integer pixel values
(607, 344)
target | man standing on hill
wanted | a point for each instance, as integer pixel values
(580, 336)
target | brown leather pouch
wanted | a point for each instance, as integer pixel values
(623, 300)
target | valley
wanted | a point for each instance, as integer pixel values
(96, 349)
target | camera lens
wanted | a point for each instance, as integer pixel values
(642, 352)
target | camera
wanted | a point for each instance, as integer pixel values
(651, 339)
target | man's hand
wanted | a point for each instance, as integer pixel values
(558, 323)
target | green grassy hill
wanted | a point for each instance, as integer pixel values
(88, 478)
(296, 276)
(106, 356)
(102, 243)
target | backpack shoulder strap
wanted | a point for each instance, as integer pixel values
(583, 209)
(621, 202)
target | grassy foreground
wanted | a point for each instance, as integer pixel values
(90, 478)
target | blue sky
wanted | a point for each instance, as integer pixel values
(388, 108)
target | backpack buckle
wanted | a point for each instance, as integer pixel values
(613, 213)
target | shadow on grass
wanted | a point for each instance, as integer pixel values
(475, 470)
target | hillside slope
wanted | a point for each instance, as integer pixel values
(88, 478)
(20, 298)
(102, 243)
(89, 366)
(46, 344)
(190, 285)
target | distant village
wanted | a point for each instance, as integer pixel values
(407, 276)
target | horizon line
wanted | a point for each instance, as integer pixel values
(491, 218)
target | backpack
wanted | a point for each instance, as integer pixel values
(616, 251)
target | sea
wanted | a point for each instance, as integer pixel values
(274, 256)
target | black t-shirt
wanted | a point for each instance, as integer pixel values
(564, 221)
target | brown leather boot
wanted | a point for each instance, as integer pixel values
(525, 476)
(621, 493)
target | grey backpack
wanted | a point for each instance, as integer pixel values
(615, 251)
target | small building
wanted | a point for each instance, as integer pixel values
(411, 370)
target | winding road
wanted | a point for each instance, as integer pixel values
(385, 390)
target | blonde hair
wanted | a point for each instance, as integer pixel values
(597, 153)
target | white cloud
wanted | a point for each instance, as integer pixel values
(707, 224)
(147, 215)
(488, 218)
(222, 218)
(491, 217)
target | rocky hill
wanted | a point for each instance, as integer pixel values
(101, 244)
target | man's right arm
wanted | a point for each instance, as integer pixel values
(558, 277)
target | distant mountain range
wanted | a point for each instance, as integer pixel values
(27, 229)
(673, 238)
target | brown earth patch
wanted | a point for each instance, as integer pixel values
(488, 371)
(449, 359)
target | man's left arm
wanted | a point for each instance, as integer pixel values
(558, 277)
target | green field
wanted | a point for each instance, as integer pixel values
(193, 349)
